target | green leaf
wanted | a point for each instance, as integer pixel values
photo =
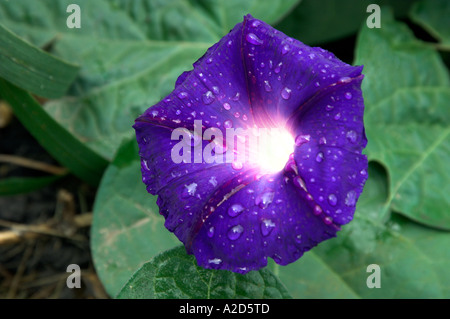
(130, 55)
(67, 150)
(174, 274)
(18, 185)
(127, 229)
(310, 23)
(407, 120)
(33, 69)
(433, 16)
(413, 259)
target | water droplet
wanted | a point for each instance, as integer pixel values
(299, 182)
(285, 49)
(228, 124)
(229, 43)
(302, 139)
(226, 106)
(351, 136)
(210, 232)
(237, 165)
(182, 95)
(317, 210)
(337, 116)
(189, 190)
(216, 90)
(344, 79)
(213, 181)
(235, 210)
(209, 60)
(278, 68)
(236, 97)
(332, 199)
(319, 157)
(348, 95)
(237, 114)
(298, 239)
(350, 199)
(363, 172)
(329, 107)
(256, 23)
(253, 39)
(215, 261)
(328, 220)
(264, 199)
(286, 93)
(235, 232)
(266, 227)
(267, 86)
(208, 97)
(322, 140)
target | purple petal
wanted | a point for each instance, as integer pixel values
(232, 217)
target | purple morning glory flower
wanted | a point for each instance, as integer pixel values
(303, 182)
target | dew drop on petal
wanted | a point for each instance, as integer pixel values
(332, 199)
(237, 165)
(317, 210)
(216, 90)
(253, 39)
(267, 86)
(337, 116)
(228, 124)
(348, 95)
(226, 106)
(189, 190)
(278, 68)
(298, 239)
(319, 157)
(344, 79)
(299, 182)
(215, 261)
(210, 232)
(266, 227)
(351, 136)
(328, 220)
(285, 49)
(350, 199)
(256, 23)
(286, 93)
(208, 97)
(265, 199)
(302, 139)
(182, 95)
(329, 107)
(235, 210)
(235, 232)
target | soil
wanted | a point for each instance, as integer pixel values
(43, 231)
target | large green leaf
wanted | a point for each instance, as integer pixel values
(66, 149)
(174, 274)
(316, 22)
(131, 53)
(434, 17)
(33, 69)
(127, 229)
(406, 91)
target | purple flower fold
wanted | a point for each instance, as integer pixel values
(236, 216)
